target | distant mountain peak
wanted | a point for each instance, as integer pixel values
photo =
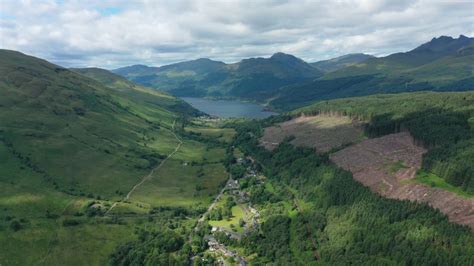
(446, 44)
(139, 65)
(442, 37)
(204, 59)
(277, 54)
(283, 56)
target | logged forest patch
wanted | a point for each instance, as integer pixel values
(322, 132)
(388, 165)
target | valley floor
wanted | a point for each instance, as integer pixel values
(41, 226)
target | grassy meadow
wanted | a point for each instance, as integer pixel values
(433, 180)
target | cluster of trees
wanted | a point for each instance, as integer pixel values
(177, 212)
(164, 247)
(273, 242)
(25, 159)
(236, 170)
(167, 239)
(153, 160)
(197, 136)
(347, 222)
(224, 212)
(218, 214)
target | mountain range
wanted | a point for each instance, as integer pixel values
(285, 82)
(254, 78)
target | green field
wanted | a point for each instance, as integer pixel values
(433, 180)
(27, 198)
(221, 134)
(178, 185)
(394, 167)
(232, 223)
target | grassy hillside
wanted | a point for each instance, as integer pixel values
(443, 64)
(340, 62)
(59, 121)
(254, 78)
(71, 147)
(443, 122)
(139, 93)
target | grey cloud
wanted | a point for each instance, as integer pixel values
(78, 33)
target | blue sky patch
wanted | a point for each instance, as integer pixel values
(109, 11)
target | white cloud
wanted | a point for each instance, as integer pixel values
(118, 32)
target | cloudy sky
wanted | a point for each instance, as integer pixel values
(116, 33)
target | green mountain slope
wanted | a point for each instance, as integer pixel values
(183, 78)
(71, 147)
(398, 63)
(443, 64)
(137, 92)
(50, 114)
(134, 70)
(340, 62)
(254, 78)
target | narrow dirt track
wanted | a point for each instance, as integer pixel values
(203, 217)
(150, 175)
(56, 235)
(145, 178)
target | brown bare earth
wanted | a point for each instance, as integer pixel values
(323, 132)
(384, 164)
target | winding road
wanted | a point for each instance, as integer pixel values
(203, 217)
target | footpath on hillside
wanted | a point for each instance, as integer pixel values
(152, 172)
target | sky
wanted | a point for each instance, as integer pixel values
(115, 33)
